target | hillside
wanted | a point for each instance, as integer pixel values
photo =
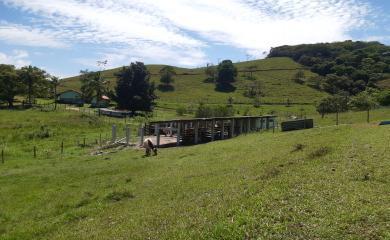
(323, 183)
(190, 86)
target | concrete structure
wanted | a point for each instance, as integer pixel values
(200, 130)
(113, 113)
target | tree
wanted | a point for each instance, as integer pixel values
(55, 81)
(250, 70)
(210, 72)
(226, 72)
(333, 104)
(134, 92)
(34, 79)
(10, 84)
(299, 77)
(92, 84)
(364, 101)
(166, 75)
(254, 89)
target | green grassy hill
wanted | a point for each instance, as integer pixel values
(190, 87)
(322, 183)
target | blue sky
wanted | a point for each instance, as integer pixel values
(65, 36)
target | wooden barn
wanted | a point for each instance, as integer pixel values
(70, 97)
(104, 102)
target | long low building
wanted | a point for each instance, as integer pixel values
(199, 130)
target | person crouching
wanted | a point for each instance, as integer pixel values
(149, 146)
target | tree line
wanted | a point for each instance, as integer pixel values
(29, 81)
(342, 67)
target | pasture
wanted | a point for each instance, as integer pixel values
(324, 183)
(190, 86)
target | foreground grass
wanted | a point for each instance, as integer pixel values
(324, 183)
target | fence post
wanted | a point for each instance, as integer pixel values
(100, 139)
(141, 129)
(127, 135)
(62, 147)
(35, 151)
(2, 156)
(113, 139)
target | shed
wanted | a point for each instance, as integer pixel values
(70, 97)
(104, 102)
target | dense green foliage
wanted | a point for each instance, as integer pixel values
(344, 66)
(333, 104)
(36, 82)
(134, 91)
(167, 74)
(207, 111)
(384, 98)
(364, 101)
(28, 80)
(10, 84)
(227, 72)
(92, 84)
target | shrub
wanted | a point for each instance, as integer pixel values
(117, 196)
(319, 152)
(384, 98)
(298, 147)
(42, 133)
(205, 111)
(180, 111)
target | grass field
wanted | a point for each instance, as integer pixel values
(190, 85)
(323, 183)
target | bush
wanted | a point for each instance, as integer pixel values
(42, 133)
(384, 98)
(180, 111)
(204, 111)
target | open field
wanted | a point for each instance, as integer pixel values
(190, 85)
(333, 185)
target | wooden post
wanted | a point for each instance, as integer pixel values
(62, 147)
(84, 142)
(267, 123)
(127, 129)
(113, 131)
(178, 133)
(212, 129)
(35, 151)
(196, 129)
(232, 127)
(100, 139)
(2, 156)
(142, 132)
(157, 132)
(222, 129)
(241, 126)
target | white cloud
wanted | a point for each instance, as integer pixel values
(177, 31)
(27, 36)
(19, 58)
